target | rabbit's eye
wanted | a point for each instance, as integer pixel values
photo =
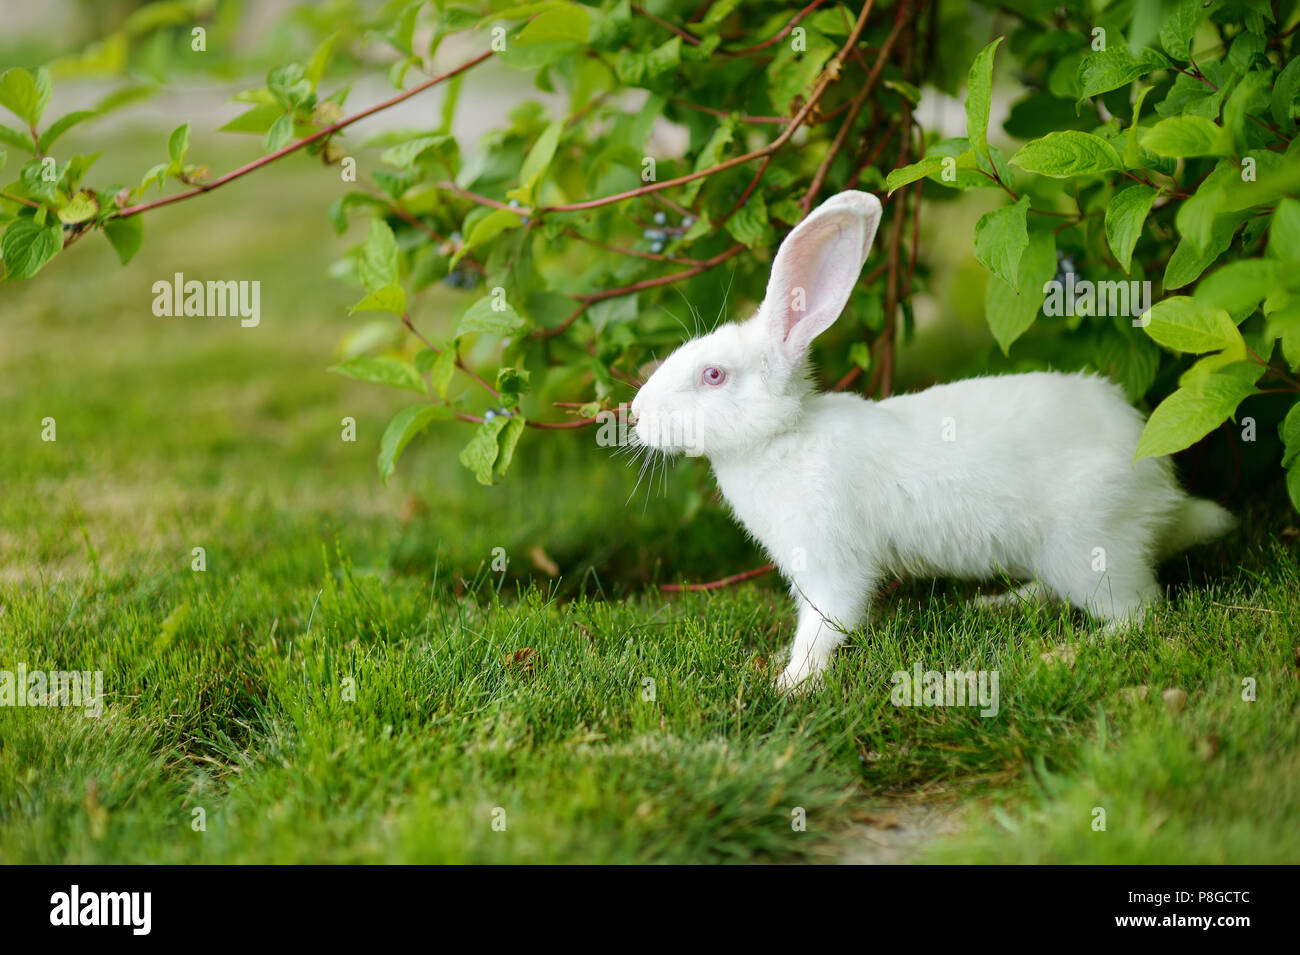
(713, 376)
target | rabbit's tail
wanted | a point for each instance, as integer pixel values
(1197, 521)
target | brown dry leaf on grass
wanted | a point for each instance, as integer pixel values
(522, 659)
(1063, 654)
(542, 561)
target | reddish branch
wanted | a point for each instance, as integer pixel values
(785, 32)
(588, 300)
(635, 253)
(544, 425)
(305, 141)
(724, 582)
(829, 74)
(724, 114)
(688, 37)
(856, 105)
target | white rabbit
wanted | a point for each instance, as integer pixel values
(1030, 476)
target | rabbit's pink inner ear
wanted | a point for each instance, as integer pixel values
(815, 271)
(813, 277)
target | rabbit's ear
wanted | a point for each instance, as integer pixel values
(815, 271)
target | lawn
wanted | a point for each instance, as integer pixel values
(348, 679)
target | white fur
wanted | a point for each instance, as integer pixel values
(1030, 476)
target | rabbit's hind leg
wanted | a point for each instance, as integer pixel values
(1033, 591)
(1116, 584)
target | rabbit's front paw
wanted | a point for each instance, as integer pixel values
(799, 679)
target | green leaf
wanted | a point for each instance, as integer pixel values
(125, 236)
(1284, 232)
(390, 298)
(907, 90)
(482, 317)
(536, 162)
(26, 247)
(281, 132)
(1001, 238)
(1132, 154)
(178, 144)
(25, 94)
(979, 94)
(1240, 286)
(506, 445)
(80, 207)
(1277, 176)
(1282, 99)
(384, 370)
(1190, 96)
(1188, 324)
(1198, 213)
(320, 59)
(1190, 260)
(1067, 153)
(444, 366)
(1124, 219)
(1130, 360)
(257, 120)
(406, 424)
(720, 11)
(40, 178)
(1116, 66)
(377, 264)
(567, 24)
(750, 225)
(63, 124)
(13, 137)
(1182, 136)
(424, 358)
(487, 229)
(404, 155)
(711, 155)
(156, 174)
(635, 68)
(480, 455)
(1192, 412)
(1245, 103)
(905, 175)
(1211, 363)
(1284, 323)
(1293, 484)
(1289, 431)
(791, 73)
(1009, 312)
(1179, 26)
(289, 86)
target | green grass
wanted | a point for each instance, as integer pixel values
(227, 690)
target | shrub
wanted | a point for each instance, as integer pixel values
(1158, 168)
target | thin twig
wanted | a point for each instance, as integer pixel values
(724, 582)
(828, 75)
(301, 143)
